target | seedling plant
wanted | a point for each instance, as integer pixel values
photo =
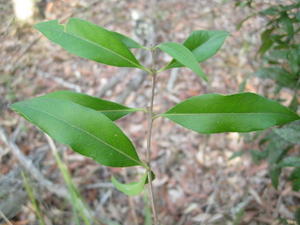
(86, 123)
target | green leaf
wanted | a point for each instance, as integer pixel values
(147, 212)
(276, 148)
(257, 155)
(297, 16)
(267, 42)
(130, 189)
(295, 174)
(85, 130)
(294, 103)
(274, 174)
(110, 109)
(243, 112)
(276, 153)
(236, 155)
(294, 60)
(265, 46)
(247, 3)
(130, 43)
(290, 132)
(279, 75)
(297, 213)
(182, 55)
(287, 24)
(295, 179)
(296, 185)
(89, 41)
(203, 44)
(239, 217)
(273, 11)
(240, 24)
(291, 6)
(277, 54)
(290, 161)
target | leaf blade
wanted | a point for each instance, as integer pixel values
(130, 189)
(183, 55)
(290, 133)
(203, 44)
(129, 42)
(290, 161)
(274, 174)
(244, 112)
(110, 109)
(86, 131)
(89, 41)
(279, 75)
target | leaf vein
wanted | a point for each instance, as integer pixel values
(107, 49)
(87, 133)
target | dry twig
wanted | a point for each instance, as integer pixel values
(112, 83)
(5, 218)
(31, 169)
(60, 81)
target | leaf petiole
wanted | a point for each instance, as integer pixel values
(156, 116)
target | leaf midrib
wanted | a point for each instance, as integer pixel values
(212, 38)
(174, 61)
(116, 110)
(192, 62)
(86, 132)
(191, 114)
(100, 46)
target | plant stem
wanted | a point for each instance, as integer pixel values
(149, 135)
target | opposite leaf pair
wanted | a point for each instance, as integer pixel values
(96, 43)
(66, 116)
(85, 123)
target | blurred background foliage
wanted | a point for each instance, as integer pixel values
(279, 56)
